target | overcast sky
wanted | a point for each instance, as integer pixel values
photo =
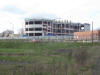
(13, 12)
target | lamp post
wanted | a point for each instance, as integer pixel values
(92, 32)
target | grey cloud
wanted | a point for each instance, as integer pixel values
(43, 15)
(13, 9)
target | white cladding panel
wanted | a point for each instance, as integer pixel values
(34, 26)
(33, 32)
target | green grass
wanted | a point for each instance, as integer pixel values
(17, 46)
(39, 49)
(42, 49)
(48, 53)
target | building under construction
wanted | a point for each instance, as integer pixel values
(48, 27)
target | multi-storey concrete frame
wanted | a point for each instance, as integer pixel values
(47, 27)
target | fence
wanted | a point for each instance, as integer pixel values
(53, 38)
(40, 38)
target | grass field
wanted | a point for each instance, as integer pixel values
(47, 58)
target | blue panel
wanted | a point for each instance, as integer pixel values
(49, 34)
(25, 36)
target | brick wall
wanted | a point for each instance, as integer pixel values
(87, 35)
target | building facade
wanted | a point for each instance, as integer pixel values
(87, 35)
(47, 27)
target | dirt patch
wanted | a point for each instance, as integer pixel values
(16, 54)
(63, 50)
